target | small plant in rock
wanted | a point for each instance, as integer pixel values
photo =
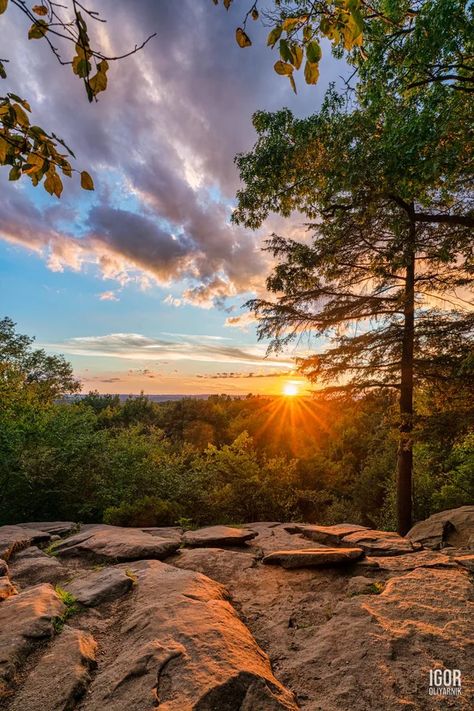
(72, 608)
(51, 549)
(130, 574)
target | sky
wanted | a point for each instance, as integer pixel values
(141, 283)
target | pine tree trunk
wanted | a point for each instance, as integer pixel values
(405, 448)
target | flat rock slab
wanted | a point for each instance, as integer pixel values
(33, 566)
(314, 557)
(24, 620)
(99, 586)
(15, 538)
(327, 535)
(183, 647)
(61, 676)
(275, 537)
(466, 561)
(174, 532)
(113, 543)
(218, 563)
(379, 543)
(452, 527)
(55, 528)
(216, 536)
(411, 561)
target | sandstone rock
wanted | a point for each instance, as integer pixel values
(219, 564)
(360, 585)
(32, 566)
(55, 528)
(275, 537)
(61, 676)
(314, 557)
(3, 567)
(112, 543)
(466, 561)
(25, 619)
(15, 538)
(174, 532)
(410, 561)
(379, 543)
(453, 527)
(183, 647)
(216, 536)
(328, 535)
(7, 589)
(99, 586)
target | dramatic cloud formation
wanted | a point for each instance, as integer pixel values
(160, 143)
(134, 346)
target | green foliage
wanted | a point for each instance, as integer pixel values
(140, 463)
(72, 608)
(148, 511)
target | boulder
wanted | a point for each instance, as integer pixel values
(25, 619)
(378, 543)
(99, 586)
(113, 543)
(453, 527)
(7, 589)
(55, 528)
(61, 676)
(15, 538)
(275, 537)
(174, 532)
(183, 647)
(314, 557)
(219, 564)
(217, 536)
(33, 566)
(410, 561)
(328, 535)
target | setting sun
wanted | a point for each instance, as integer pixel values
(290, 389)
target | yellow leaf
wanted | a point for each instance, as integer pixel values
(297, 55)
(58, 185)
(283, 68)
(49, 182)
(21, 117)
(3, 6)
(40, 9)
(311, 72)
(274, 36)
(34, 162)
(98, 82)
(291, 22)
(3, 149)
(86, 181)
(242, 39)
(292, 82)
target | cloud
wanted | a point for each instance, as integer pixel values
(243, 321)
(134, 346)
(108, 296)
(160, 143)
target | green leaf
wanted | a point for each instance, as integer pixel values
(283, 68)
(285, 52)
(38, 29)
(15, 173)
(3, 6)
(313, 52)
(3, 73)
(242, 39)
(274, 36)
(86, 181)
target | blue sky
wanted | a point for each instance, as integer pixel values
(151, 254)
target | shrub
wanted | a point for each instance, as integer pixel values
(148, 511)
